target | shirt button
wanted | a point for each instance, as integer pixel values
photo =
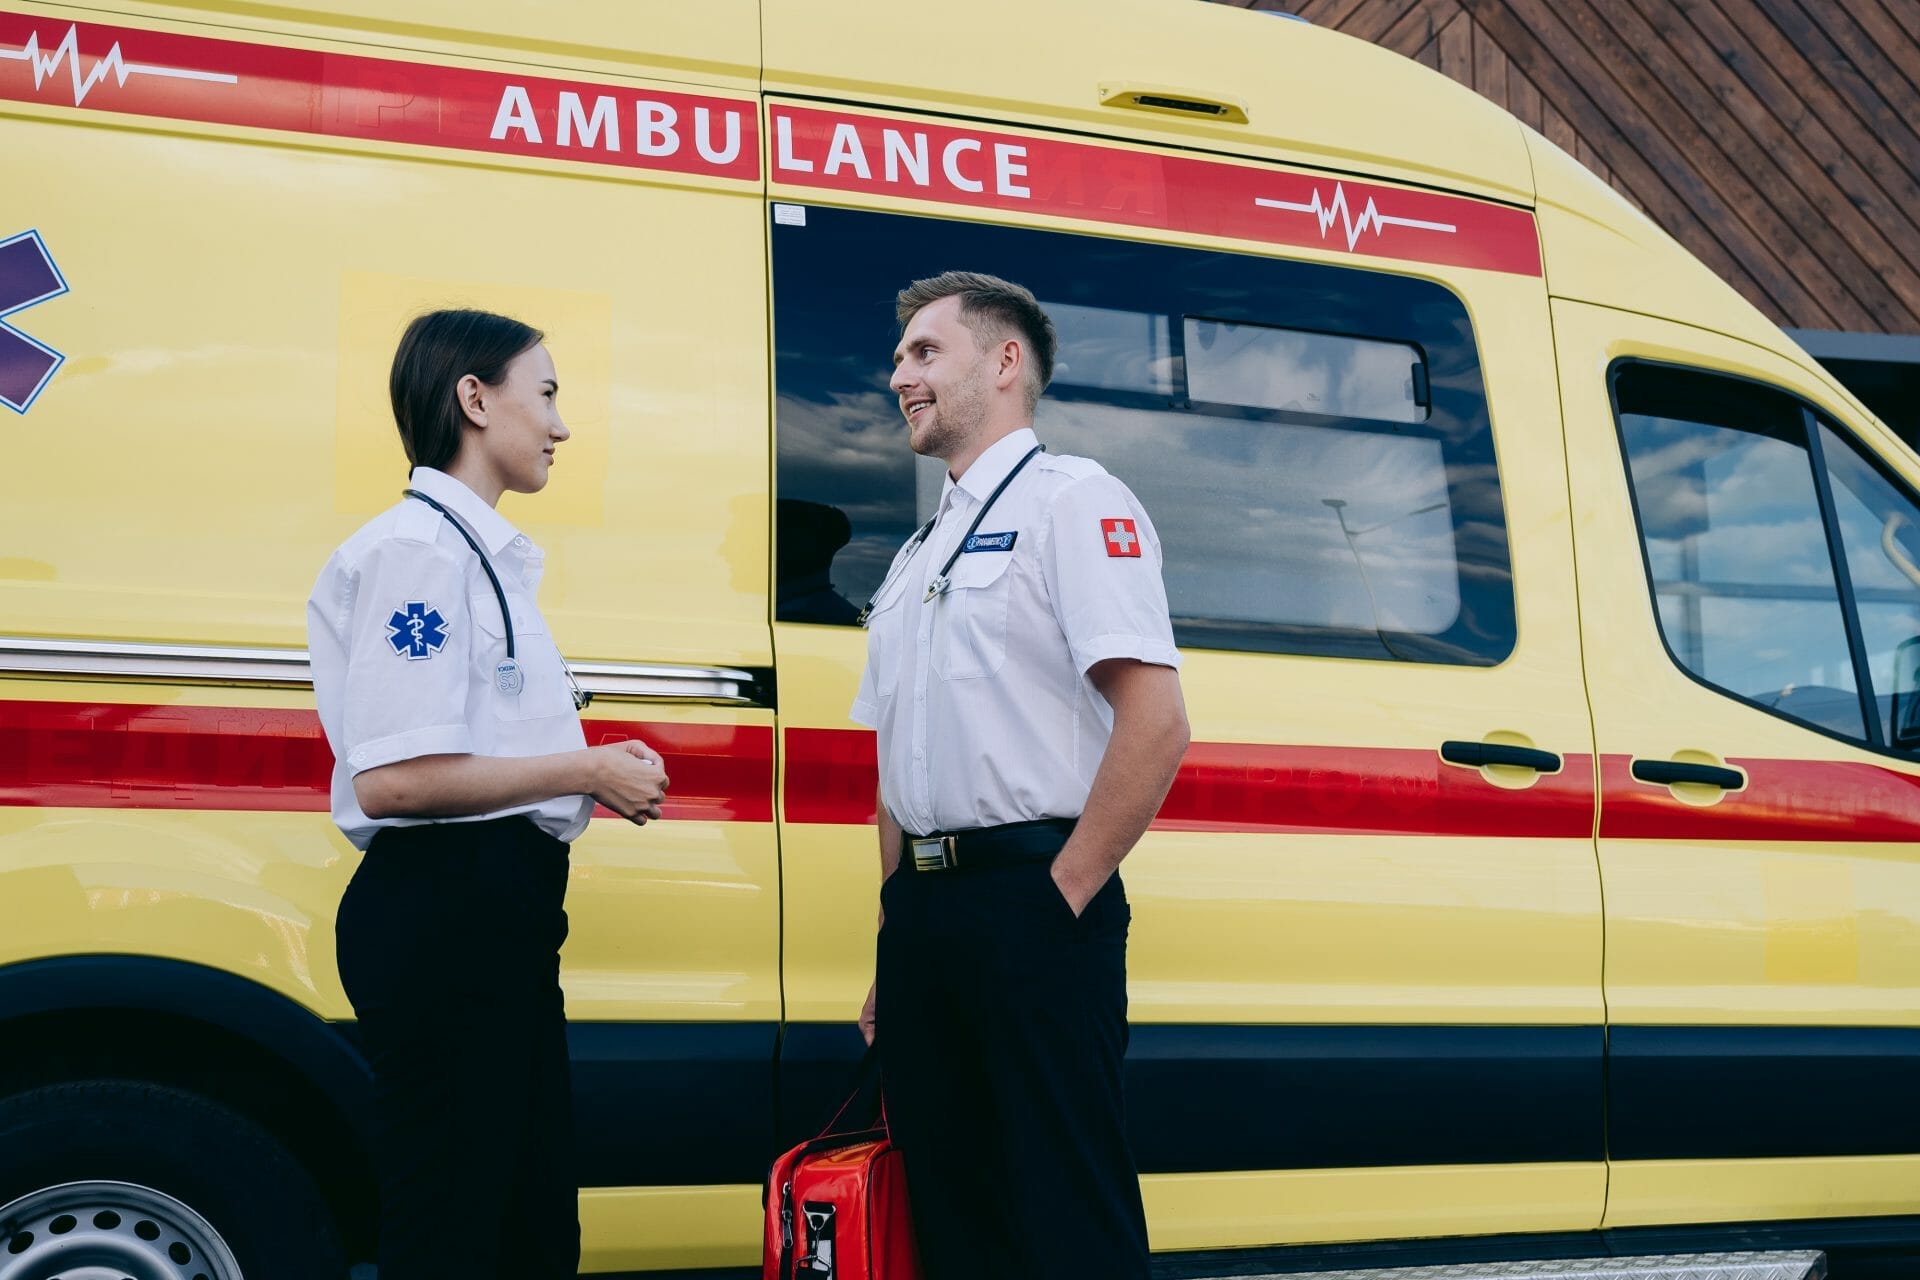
(520, 541)
(918, 754)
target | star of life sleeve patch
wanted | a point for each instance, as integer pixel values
(416, 630)
(1121, 537)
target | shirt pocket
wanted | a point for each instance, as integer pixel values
(970, 623)
(543, 688)
(884, 639)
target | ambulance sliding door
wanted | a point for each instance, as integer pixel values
(1747, 550)
(1366, 935)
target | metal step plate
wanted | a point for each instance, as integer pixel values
(1807, 1265)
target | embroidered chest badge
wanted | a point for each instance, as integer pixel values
(1121, 537)
(990, 541)
(416, 630)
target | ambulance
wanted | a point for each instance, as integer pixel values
(1543, 881)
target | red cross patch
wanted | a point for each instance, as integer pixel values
(1121, 537)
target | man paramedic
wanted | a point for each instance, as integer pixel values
(1022, 678)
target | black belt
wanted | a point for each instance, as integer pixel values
(988, 846)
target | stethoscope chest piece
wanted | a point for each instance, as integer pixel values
(508, 678)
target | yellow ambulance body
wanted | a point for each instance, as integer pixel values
(1545, 865)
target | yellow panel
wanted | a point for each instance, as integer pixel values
(655, 1228)
(1312, 96)
(188, 491)
(1245, 1210)
(716, 42)
(249, 893)
(675, 921)
(1657, 1192)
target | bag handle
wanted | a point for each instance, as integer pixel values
(866, 1106)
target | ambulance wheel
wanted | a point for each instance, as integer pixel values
(115, 1178)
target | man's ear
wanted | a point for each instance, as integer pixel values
(1011, 366)
(472, 395)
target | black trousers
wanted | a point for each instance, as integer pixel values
(1001, 1022)
(449, 947)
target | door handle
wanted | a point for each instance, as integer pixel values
(1668, 772)
(1477, 755)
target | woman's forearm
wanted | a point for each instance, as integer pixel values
(454, 786)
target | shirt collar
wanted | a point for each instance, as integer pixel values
(494, 530)
(991, 467)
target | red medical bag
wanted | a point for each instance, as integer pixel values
(837, 1206)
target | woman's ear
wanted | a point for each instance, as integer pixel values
(472, 395)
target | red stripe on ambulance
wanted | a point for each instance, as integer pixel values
(132, 756)
(1259, 788)
(1842, 801)
(130, 71)
(967, 165)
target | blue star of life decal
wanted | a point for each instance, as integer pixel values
(416, 630)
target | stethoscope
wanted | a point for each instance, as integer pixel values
(940, 583)
(507, 676)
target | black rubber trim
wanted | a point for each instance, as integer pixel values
(655, 1104)
(310, 1045)
(665, 1104)
(1668, 772)
(1730, 1093)
(661, 1104)
(1205, 1099)
(1479, 754)
(1322, 1097)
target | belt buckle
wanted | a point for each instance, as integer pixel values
(935, 853)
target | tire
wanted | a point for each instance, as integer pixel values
(153, 1183)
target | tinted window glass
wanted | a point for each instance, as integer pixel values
(1273, 368)
(1880, 530)
(1107, 347)
(1306, 503)
(1730, 520)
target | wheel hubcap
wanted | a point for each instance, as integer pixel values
(109, 1231)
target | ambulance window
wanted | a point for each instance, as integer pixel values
(1312, 492)
(1328, 373)
(1735, 541)
(1880, 531)
(1110, 348)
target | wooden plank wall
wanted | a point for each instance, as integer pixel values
(1779, 140)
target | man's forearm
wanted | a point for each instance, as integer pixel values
(1150, 736)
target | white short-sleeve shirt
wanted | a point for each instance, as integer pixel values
(980, 695)
(405, 632)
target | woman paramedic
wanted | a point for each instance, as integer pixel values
(462, 771)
